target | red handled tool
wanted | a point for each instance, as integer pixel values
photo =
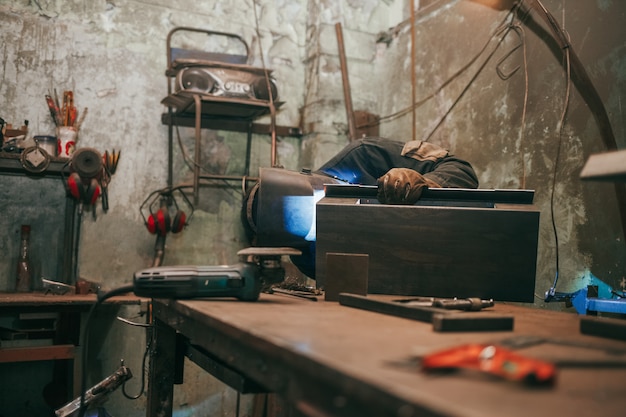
(494, 360)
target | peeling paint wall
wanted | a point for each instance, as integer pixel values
(113, 55)
(466, 107)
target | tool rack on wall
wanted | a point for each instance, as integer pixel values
(193, 104)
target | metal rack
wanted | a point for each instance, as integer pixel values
(202, 110)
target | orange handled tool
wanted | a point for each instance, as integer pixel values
(494, 360)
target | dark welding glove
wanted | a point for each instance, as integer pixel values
(402, 186)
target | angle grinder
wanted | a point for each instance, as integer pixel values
(244, 280)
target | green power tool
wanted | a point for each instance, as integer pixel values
(259, 266)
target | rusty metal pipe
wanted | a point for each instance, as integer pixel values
(346, 83)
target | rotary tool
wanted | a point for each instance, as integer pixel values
(259, 266)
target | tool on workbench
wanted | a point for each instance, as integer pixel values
(307, 295)
(595, 296)
(243, 280)
(465, 304)
(57, 288)
(445, 314)
(493, 360)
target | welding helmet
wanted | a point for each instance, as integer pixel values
(280, 211)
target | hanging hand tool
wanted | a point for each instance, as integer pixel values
(54, 110)
(493, 360)
(57, 288)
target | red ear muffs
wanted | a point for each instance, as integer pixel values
(152, 224)
(179, 222)
(160, 222)
(75, 185)
(163, 221)
(91, 192)
(87, 194)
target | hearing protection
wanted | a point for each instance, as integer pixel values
(86, 172)
(86, 191)
(168, 217)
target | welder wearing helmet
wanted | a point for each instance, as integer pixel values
(401, 171)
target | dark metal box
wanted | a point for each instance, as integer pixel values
(458, 247)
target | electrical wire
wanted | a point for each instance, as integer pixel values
(524, 109)
(447, 82)
(568, 84)
(100, 299)
(143, 371)
(506, 29)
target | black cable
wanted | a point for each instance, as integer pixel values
(568, 84)
(125, 289)
(143, 376)
(460, 71)
(507, 28)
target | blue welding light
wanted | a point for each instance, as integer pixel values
(299, 215)
(344, 174)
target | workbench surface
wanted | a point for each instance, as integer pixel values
(35, 299)
(329, 359)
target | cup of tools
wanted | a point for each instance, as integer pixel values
(66, 140)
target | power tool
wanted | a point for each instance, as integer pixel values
(259, 266)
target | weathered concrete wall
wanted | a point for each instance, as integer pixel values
(112, 54)
(486, 126)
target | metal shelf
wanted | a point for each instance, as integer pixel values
(10, 164)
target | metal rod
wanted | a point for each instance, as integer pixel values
(413, 82)
(346, 82)
(249, 150)
(196, 166)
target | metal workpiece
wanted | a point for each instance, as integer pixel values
(98, 392)
(458, 316)
(468, 304)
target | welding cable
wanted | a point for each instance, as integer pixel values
(460, 71)
(568, 85)
(506, 29)
(524, 109)
(142, 386)
(125, 289)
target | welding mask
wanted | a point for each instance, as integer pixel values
(280, 211)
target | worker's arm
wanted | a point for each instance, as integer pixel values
(433, 167)
(452, 172)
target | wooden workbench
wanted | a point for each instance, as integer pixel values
(327, 359)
